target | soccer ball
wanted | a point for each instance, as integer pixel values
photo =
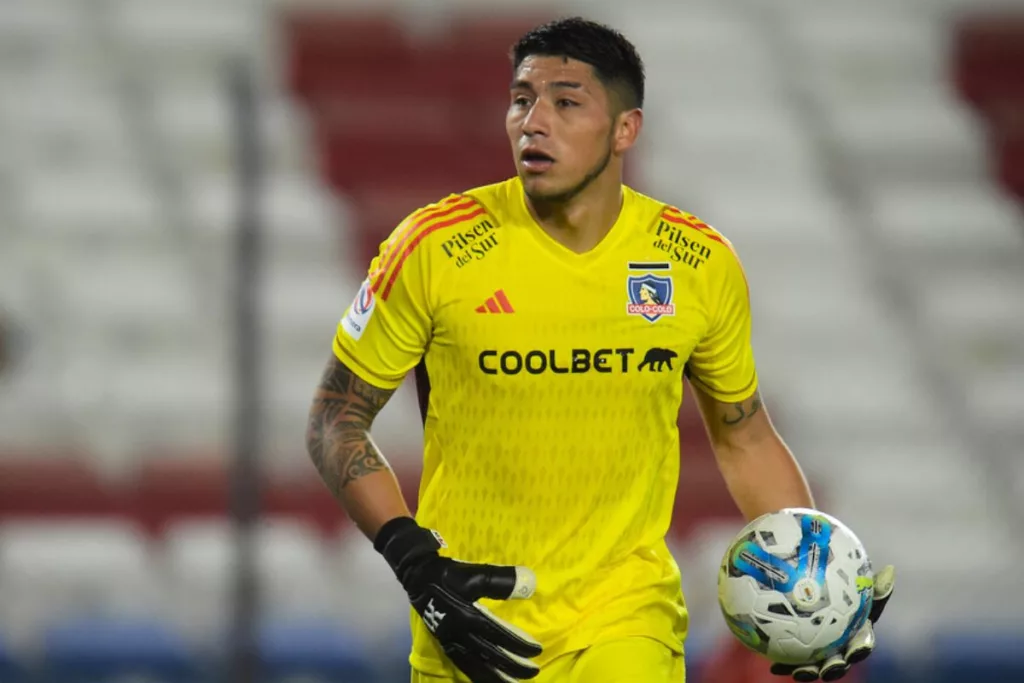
(796, 586)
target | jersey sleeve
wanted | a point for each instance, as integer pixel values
(385, 330)
(722, 364)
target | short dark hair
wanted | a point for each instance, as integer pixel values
(615, 60)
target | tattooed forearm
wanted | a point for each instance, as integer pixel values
(337, 435)
(739, 412)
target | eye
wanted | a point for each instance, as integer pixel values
(563, 102)
(521, 101)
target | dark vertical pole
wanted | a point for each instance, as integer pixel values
(245, 489)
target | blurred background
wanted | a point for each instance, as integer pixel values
(191, 191)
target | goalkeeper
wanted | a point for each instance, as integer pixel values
(543, 317)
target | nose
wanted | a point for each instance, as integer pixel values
(536, 120)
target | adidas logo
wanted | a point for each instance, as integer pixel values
(496, 304)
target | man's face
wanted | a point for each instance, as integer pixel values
(560, 125)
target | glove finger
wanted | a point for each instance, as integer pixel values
(885, 581)
(861, 645)
(475, 581)
(806, 673)
(502, 660)
(834, 668)
(474, 667)
(800, 672)
(783, 669)
(506, 636)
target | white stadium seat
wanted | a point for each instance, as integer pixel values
(855, 394)
(197, 558)
(188, 27)
(38, 23)
(197, 123)
(971, 222)
(305, 303)
(853, 52)
(372, 599)
(972, 316)
(805, 224)
(295, 569)
(300, 216)
(78, 204)
(54, 568)
(995, 400)
(726, 142)
(122, 298)
(913, 139)
(48, 135)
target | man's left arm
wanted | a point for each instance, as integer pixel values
(763, 476)
(759, 470)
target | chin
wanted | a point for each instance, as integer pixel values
(540, 188)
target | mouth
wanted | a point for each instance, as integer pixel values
(535, 161)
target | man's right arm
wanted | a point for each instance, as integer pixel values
(339, 444)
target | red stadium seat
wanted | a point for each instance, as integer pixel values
(403, 119)
(988, 57)
(324, 50)
(39, 485)
(988, 60)
(408, 118)
(1011, 165)
(359, 164)
(169, 488)
(305, 498)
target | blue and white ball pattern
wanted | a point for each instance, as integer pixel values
(796, 586)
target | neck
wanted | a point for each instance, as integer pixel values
(580, 222)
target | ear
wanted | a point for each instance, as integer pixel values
(627, 129)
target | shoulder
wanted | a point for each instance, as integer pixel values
(665, 218)
(487, 202)
(426, 230)
(430, 223)
(425, 221)
(723, 265)
(678, 225)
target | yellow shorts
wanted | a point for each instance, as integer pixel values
(629, 660)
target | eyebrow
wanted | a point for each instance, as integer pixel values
(526, 85)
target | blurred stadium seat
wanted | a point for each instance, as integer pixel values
(12, 667)
(96, 649)
(990, 656)
(867, 161)
(313, 650)
(74, 567)
(987, 59)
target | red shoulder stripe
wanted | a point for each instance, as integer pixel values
(415, 222)
(419, 238)
(675, 216)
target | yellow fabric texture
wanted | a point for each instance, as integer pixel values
(551, 438)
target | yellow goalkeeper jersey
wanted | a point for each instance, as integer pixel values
(551, 436)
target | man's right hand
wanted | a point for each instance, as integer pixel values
(445, 592)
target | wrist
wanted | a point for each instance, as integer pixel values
(403, 543)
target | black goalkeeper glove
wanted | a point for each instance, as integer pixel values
(861, 645)
(444, 593)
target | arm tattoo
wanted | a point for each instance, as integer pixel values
(740, 412)
(337, 434)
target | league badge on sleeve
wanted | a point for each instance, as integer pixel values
(650, 294)
(359, 312)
